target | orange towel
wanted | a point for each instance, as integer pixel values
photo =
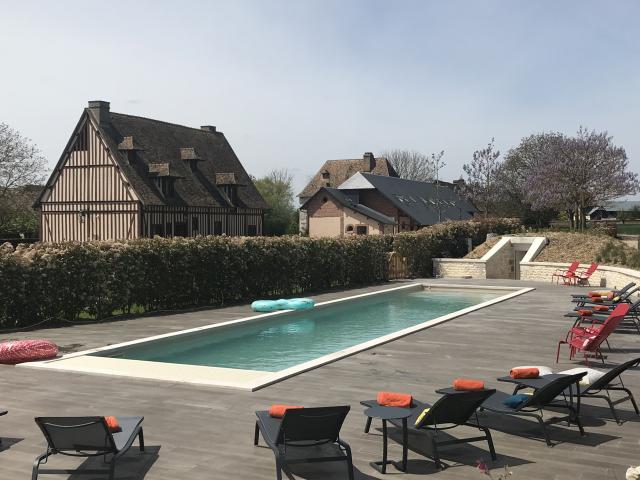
(112, 423)
(392, 399)
(583, 312)
(468, 384)
(278, 411)
(601, 308)
(524, 373)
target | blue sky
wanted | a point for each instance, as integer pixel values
(293, 83)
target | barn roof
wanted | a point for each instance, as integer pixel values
(337, 171)
(195, 158)
(199, 161)
(418, 200)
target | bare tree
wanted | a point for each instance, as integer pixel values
(21, 166)
(411, 165)
(482, 173)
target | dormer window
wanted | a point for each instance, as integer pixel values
(228, 185)
(163, 177)
(166, 185)
(130, 148)
(325, 175)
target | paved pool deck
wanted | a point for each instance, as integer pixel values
(196, 432)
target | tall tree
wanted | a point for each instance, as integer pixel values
(574, 173)
(412, 165)
(21, 166)
(481, 182)
(277, 189)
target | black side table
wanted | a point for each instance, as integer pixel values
(384, 414)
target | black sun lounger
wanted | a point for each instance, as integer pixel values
(607, 383)
(305, 428)
(632, 316)
(616, 292)
(625, 297)
(86, 437)
(453, 409)
(2, 412)
(544, 397)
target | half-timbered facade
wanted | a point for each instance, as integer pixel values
(125, 177)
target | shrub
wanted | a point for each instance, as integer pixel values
(66, 281)
(618, 254)
(448, 239)
(56, 282)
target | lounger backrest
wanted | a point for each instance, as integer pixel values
(626, 287)
(573, 267)
(549, 392)
(312, 425)
(455, 408)
(592, 268)
(612, 322)
(69, 435)
(608, 377)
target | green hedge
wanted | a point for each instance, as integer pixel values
(57, 282)
(448, 240)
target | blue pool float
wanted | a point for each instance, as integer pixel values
(282, 304)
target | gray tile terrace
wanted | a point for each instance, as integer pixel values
(206, 433)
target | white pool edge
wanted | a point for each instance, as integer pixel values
(224, 377)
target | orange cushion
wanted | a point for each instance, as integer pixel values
(112, 423)
(601, 308)
(278, 411)
(468, 384)
(583, 312)
(524, 373)
(393, 399)
(596, 299)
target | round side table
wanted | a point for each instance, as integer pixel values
(384, 414)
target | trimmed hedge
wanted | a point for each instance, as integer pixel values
(58, 282)
(447, 240)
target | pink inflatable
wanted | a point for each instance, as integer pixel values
(19, 351)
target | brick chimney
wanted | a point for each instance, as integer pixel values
(208, 128)
(100, 111)
(369, 162)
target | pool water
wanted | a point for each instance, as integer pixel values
(275, 343)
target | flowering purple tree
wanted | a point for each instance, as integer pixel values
(481, 184)
(574, 173)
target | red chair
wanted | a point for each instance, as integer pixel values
(588, 339)
(566, 275)
(582, 278)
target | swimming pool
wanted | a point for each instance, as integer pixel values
(256, 351)
(282, 342)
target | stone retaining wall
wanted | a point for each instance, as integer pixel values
(459, 268)
(604, 276)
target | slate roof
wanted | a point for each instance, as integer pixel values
(341, 170)
(416, 199)
(617, 206)
(351, 200)
(167, 149)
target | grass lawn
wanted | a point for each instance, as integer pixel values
(629, 228)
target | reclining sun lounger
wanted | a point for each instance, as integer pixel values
(566, 275)
(305, 428)
(624, 298)
(551, 394)
(599, 317)
(86, 437)
(607, 383)
(588, 339)
(615, 292)
(453, 409)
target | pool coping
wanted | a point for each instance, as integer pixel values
(252, 380)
